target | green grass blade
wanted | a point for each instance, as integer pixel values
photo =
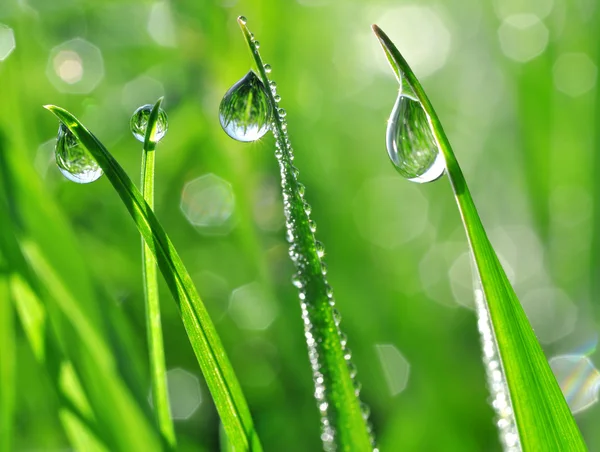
(160, 396)
(343, 420)
(215, 365)
(8, 352)
(543, 418)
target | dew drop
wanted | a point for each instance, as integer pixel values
(242, 20)
(139, 123)
(313, 227)
(365, 410)
(281, 112)
(277, 98)
(245, 111)
(257, 44)
(73, 160)
(410, 142)
(320, 248)
(267, 68)
(337, 317)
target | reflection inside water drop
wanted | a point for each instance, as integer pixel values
(73, 159)
(245, 111)
(410, 142)
(139, 123)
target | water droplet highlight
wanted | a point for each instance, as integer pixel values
(242, 20)
(139, 123)
(267, 68)
(410, 142)
(73, 160)
(245, 111)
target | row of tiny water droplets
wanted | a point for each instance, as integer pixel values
(298, 227)
(498, 386)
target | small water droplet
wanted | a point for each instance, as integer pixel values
(320, 248)
(410, 142)
(365, 410)
(73, 160)
(324, 268)
(257, 44)
(352, 369)
(313, 227)
(281, 112)
(267, 68)
(245, 111)
(277, 98)
(139, 123)
(337, 317)
(242, 20)
(301, 189)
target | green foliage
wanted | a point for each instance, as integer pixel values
(542, 415)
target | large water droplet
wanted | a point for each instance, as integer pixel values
(73, 159)
(139, 123)
(410, 142)
(245, 111)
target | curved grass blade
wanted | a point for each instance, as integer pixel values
(160, 396)
(211, 356)
(542, 416)
(344, 423)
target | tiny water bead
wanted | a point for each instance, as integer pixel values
(410, 142)
(139, 123)
(73, 160)
(245, 111)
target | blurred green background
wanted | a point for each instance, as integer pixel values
(514, 83)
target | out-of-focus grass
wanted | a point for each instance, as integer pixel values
(510, 127)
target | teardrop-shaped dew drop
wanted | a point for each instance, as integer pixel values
(73, 160)
(242, 20)
(139, 123)
(281, 112)
(337, 316)
(245, 111)
(267, 68)
(277, 98)
(257, 44)
(320, 248)
(410, 142)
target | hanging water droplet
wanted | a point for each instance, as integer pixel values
(337, 317)
(267, 68)
(281, 112)
(242, 20)
(320, 248)
(410, 142)
(365, 410)
(245, 110)
(139, 123)
(313, 226)
(73, 160)
(257, 44)
(277, 98)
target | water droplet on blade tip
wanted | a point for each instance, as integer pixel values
(73, 160)
(410, 142)
(139, 123)
(245, 111)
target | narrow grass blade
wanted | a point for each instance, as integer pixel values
(542, 416)
(215, 365)
(344, 424)
(160, 396)
(8, 354)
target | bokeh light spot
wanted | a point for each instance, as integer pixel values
(523, 37)
(396, 368)
(160, 25)
(551, 313)
(574, 74)
(423, 38)
(7, 41)
(208, 203)
(579, 380)
(506, 8)
(75, 66)
(251, 308)
(184, 393)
